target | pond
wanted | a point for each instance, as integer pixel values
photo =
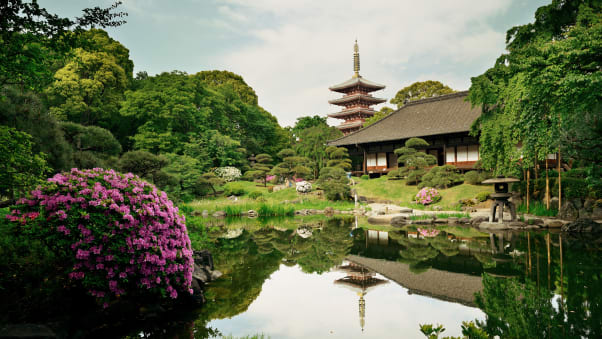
(343, 278)
(339, 277)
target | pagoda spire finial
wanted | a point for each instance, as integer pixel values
(356, 60)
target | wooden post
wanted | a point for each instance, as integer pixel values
(559, 182)
(364, 162)
(528, 184)
(547, 186)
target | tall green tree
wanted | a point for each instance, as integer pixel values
(338, 157)
(311, 144)
(261, 168)
(291, 166)
(420, 90)
(544, 93)
(383, 112)
(34, 40)
(20, 168)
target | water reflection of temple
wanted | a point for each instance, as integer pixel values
(360, 280)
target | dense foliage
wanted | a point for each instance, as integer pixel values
(442, 177)
(115, 234)
(420, 90)
(544, 93)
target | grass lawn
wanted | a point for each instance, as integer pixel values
(268, 201)
(400, 193)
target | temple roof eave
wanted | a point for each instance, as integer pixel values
(356, 82)
(357, 97)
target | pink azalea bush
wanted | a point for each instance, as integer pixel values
(427, 195)
(117, 233)
(428, 232)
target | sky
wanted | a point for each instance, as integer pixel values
(291, 51)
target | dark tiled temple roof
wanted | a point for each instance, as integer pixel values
(444, 114)
(357, 81)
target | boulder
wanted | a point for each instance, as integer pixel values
(478, 219)
(554, 224)
(568, 211)
(329, 210)
(582, 225)
(535, 221)
(422, 222)
(215, 274)
(464, 220)
(597, 213)
(205, 213)
(219, 214)
(26, 331)
(585, 214)
(441, 221)
(553, 202)
(493, 226)
(405, 210)
(252, 214)
(437, 208)
(195, 213)
(453, 220)
(589, 203)
(399, 220)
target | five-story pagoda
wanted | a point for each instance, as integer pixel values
(357, 101)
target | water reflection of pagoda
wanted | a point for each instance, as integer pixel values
(360, 280)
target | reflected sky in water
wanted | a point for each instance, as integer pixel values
(294, 304)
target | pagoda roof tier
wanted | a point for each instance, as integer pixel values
(354, 82)
(357, 97)
(353, 111)
(352, 124)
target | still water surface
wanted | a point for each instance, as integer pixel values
(329, 278)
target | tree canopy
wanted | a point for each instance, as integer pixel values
(420, 90)
(544, 93)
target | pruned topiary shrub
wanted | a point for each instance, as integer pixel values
(472, 177)
(114, 234)
(365, 177)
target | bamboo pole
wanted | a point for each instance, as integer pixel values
(559, 182)
(547, 186)
(528, 184)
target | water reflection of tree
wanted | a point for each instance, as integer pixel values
(569, 305)
(329, 246)
(417, 253)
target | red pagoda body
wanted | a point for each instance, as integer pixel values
(357, 99)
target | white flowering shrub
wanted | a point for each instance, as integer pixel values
(228, 173)
(303, 187)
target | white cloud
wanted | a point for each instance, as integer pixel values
(306, 46)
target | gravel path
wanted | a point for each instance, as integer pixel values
(448, 286)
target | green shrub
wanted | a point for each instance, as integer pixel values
(472, 177)
(270, 189)
(572, 188)
(482, 196)
(255, 195)
(484, 175)
(442, 177)
(365, 176)
(395, 174)
(333, 180)
(576, 173)
(234, 189)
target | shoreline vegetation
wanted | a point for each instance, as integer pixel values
(286, 201)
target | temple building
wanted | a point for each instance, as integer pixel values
(443, 121)
(357, 99)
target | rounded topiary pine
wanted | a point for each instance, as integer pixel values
(115, 233)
